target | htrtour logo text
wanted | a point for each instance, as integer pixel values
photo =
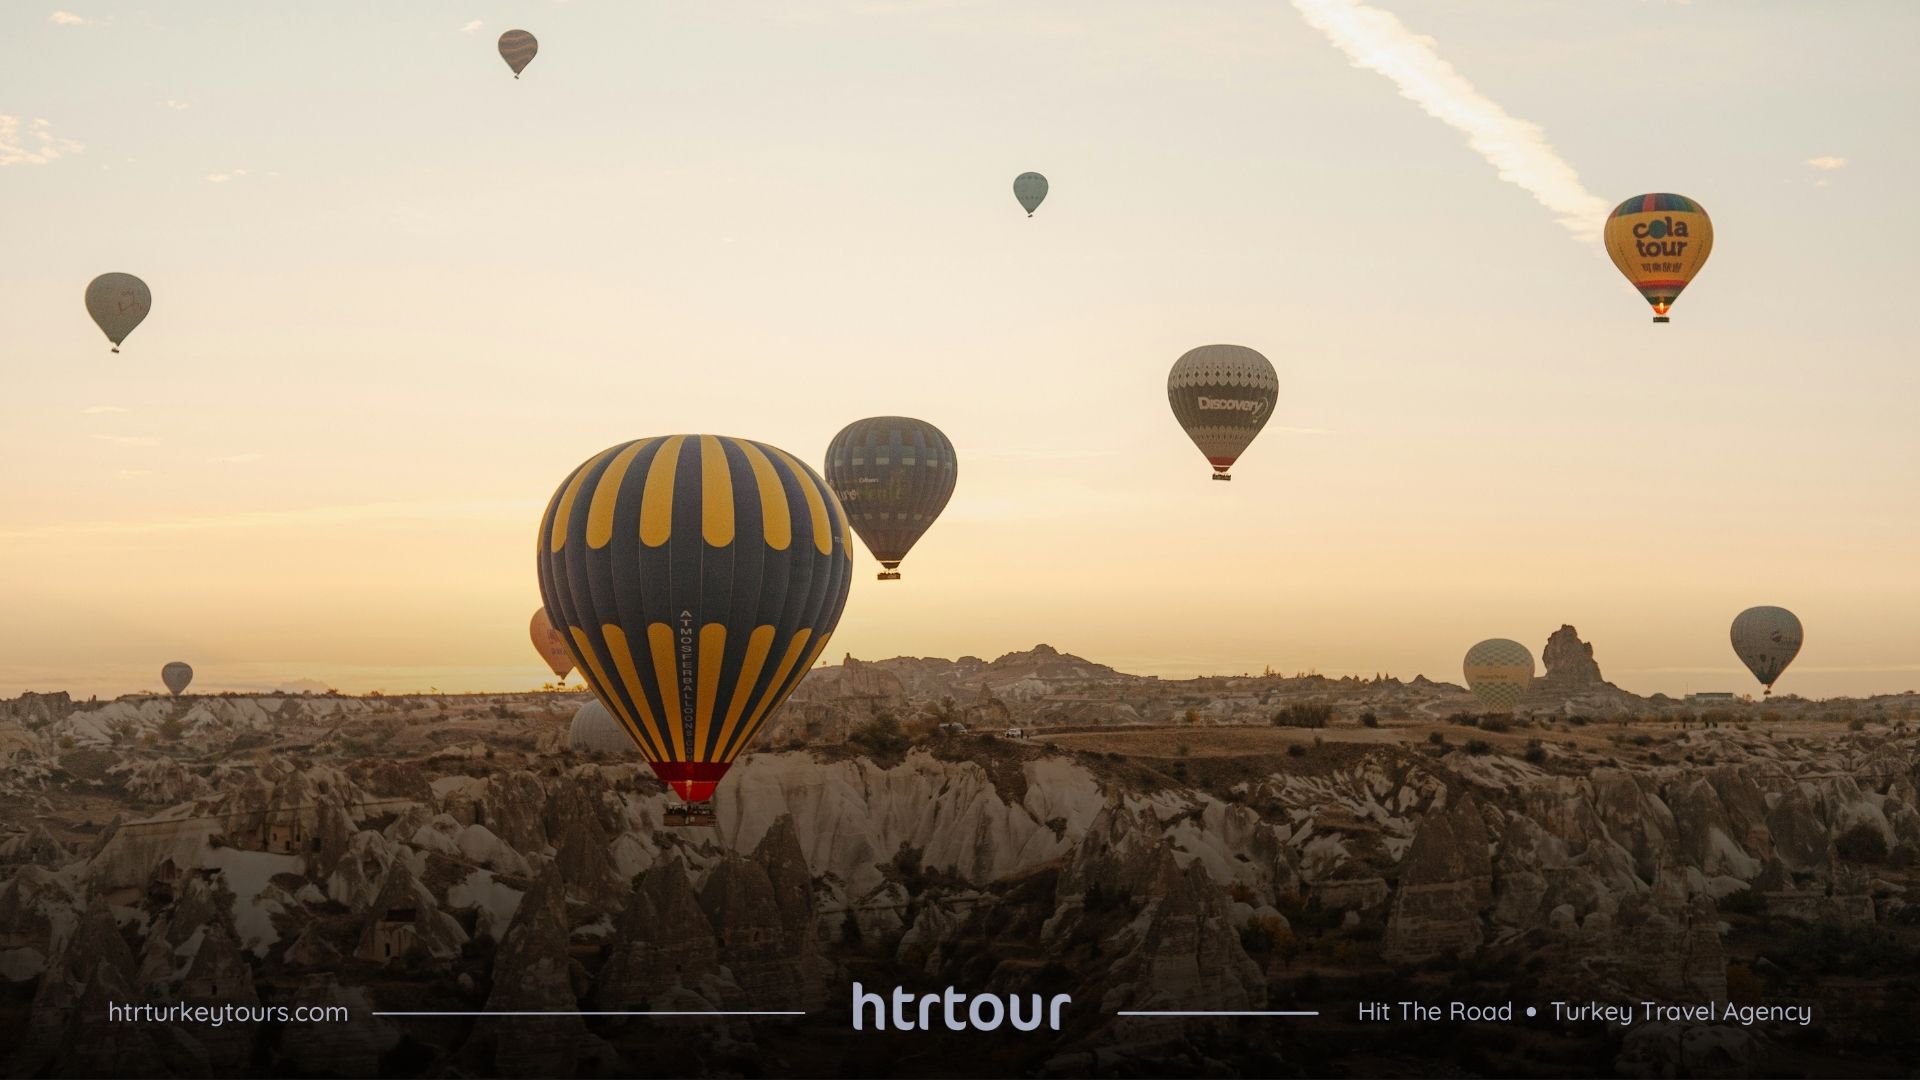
(958, 1011)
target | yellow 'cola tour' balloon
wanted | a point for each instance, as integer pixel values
(1659, 242)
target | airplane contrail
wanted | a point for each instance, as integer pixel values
(1380, 42)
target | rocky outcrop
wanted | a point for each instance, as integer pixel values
(1569, 663)
(533, 973)
(1446, 883)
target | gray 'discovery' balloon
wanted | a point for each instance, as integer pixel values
(1767, 639)
(517, 48)
(176, 675)
(118, 303)
(1030, 188)
(1222, 395)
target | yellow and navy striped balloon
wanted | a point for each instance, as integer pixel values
(697, 579)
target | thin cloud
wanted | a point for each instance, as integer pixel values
(101, 410)
(176, 105)
(221, 178)
(1827, 162)
(259, 519)
(233, 459)
(472, 26)
(128, 440)
(129, 474)
(1380, 42)
(68, 18)
(35, 144)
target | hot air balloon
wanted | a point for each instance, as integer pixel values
(517, 48)
(1030, 188)
(550, 645)
(1222, 395)
(894, 475)
(1498, 672)
(697, 579)
(176, 675)
(1767, 639)
(1659, 242)
(595, 731)
(118, 303)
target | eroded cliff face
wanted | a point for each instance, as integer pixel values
(548, 882)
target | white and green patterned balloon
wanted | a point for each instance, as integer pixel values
(1499, 671)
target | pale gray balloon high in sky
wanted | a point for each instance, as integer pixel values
(1030, 188)
(118, 303)
(518, 48)
(1767, 639)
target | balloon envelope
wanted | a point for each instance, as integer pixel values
(893, 475)
(1659, 242)
(176, 676)
(118, 303)
(697, 578)
(1499, 671)
(550, 645)
(1222, 395)
(1767, 639)
(595, 731)
(1030, 188)
(517, 48)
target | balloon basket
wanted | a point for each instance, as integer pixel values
(1661, 318)
(691, 815)
(1221, 476)
(889, 575)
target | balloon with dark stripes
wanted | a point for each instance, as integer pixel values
(696, 579)
(517, 48)
(894, 475)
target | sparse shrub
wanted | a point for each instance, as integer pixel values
(1861, 844)
(880, 735)
(1745, 902)
(1368, 719)
(1182, 750)
(1536, 753)
(1857, 724)
(1437, 738)
(1495, 723)
(1296, 750)
(1478, 747)
(1304, 715)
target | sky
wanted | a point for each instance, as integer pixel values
(398, 295)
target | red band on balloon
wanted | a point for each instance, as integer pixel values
(694, 781)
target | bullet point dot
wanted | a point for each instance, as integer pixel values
(1531, 1011)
